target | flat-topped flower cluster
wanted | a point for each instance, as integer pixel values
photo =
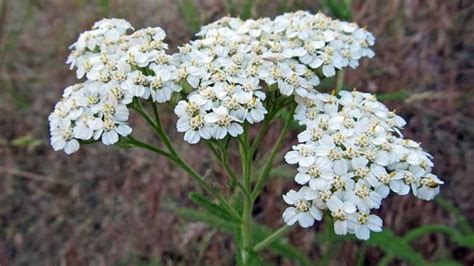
(225, 69)
(117, 69)
(350, 156)
(234, 63)
(351, 153)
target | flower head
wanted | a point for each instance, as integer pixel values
(352, 154)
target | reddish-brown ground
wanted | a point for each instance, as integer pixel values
(105, 206)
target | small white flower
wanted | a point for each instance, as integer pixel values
(340, 209)
(61, 139)
(383, 181)
(365, 198)
(429, 187)
(303, 210)
(321, 168)
(194, 128)
(223, 123)
(361, 223)
(302, 154)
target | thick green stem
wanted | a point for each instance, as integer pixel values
(271, 238)
(245, 229)
(264, 174)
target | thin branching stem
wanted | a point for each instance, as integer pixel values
(223, 159)
(131, 140)
(263, 176)
(176, 158)
(271, 238)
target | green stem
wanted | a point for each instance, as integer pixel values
(223, 159)
(247, 204)
(264, 174)
(258, 139)
(176, 158)
(161, 132)
(271, 238)
(137, 143)
(340, 80)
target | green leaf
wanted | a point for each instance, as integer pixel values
(190, 14)
(246, 11)
(206, 218)
(260, 232)
(393, 96)
(395, 246)
(283, 171)
(28, 141)
(212, 207)
(447, 263)
(458, 238)
(461, 220)
(341, 9)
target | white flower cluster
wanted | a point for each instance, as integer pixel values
(117, 68)
(350, 156)
(351, 153)
(227, 66)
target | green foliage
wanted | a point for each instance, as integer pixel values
(212, 207)
(463, 240)
(393, 96)
(461, 220)
(231, 7)
(105, 5)
(283, 171)
(395, 246)
(28, 141)
(340, 9)
(246, 11)
(243, 11)
(190, 14)
(260, 232)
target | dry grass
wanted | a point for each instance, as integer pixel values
(105, 206)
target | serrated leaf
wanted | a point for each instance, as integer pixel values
(395, 246)
(260, 232)
(464, 240)
(212, 207)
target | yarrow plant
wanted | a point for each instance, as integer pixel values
(350, 153)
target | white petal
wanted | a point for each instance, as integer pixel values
(349, 207)
(340, 227)
(110, 137)
(334, 203)
(192, 136)
(71, 146)
(317, 213)
(306, 161)
(290, 215)
(305, 219)
(302, 178)
(124, 130)
(292, 157)
(362, 233)
(291, 197)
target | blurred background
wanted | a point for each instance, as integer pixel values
(109, 206)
